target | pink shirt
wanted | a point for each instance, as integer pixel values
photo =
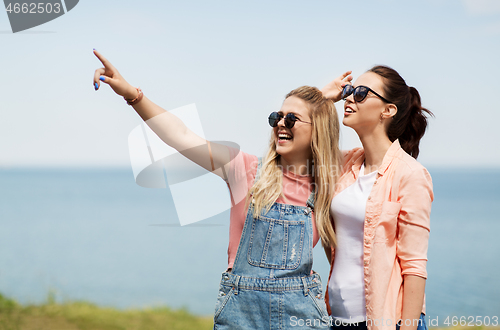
(396, 230)
(241, 177)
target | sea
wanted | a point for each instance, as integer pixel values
(95, 235)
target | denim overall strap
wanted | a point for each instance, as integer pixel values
(276, 243)
(310, 200)
(271, 285)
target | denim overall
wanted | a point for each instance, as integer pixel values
(270, 285)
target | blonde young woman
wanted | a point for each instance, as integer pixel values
(281, 211)
(381, 207)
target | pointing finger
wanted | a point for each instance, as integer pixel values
(104, 61)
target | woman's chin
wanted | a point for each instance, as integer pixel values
(280, 151)
(284, 151)
(346, 122)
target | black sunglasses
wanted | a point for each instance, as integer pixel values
(290, 119)
(359, 93)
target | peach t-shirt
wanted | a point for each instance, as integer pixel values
(241, 177)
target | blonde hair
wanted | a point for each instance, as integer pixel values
(326, 160)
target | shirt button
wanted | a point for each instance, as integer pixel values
(368, 220)
(365, 263)
(369, 197)
(367, 242)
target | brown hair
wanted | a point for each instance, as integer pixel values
(410, 122)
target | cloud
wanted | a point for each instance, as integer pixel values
(482, 7)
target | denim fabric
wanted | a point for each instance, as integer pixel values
(271, 285)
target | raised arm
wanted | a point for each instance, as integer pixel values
(167, 126)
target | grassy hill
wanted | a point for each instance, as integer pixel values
(86, 316)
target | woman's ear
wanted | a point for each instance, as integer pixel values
(390, 111)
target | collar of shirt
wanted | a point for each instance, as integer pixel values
(390, 155)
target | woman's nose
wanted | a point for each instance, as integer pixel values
(350, 98)
(281, 122)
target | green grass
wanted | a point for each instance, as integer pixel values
(86, 316)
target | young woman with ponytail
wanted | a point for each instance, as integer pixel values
(381, 207)
(281, 208)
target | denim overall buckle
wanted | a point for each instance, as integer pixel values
(306, 288)
(236, 282)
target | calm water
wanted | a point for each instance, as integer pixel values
(94, 235)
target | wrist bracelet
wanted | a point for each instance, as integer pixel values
(137, 99)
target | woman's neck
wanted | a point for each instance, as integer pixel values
(300, 167)
(375, 146)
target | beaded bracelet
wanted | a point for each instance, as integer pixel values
(137, 99)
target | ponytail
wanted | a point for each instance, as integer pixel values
(416, 125)
(410, 122)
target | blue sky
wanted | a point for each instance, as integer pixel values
(236, 61)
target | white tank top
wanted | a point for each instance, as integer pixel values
(346, 289)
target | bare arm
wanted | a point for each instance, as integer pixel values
(167, 126)
(413, 300)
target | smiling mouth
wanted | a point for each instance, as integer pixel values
(284, 137)
(349, 110)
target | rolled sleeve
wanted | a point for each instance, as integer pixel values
(415, 196)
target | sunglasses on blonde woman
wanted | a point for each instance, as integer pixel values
(359, 93)
(290, 119)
